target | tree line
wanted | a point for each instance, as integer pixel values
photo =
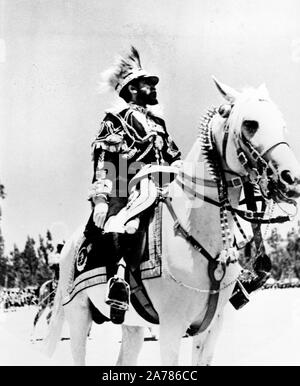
(27, 267)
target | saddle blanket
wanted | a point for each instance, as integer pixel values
(95, 262)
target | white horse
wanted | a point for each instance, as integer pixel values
(248, 122)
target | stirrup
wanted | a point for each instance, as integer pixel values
(118, 292)
(117, 304)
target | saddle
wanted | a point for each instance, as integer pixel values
(99, 252)
(145, 188)
(142, 256)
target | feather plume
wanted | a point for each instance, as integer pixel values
(124, 66)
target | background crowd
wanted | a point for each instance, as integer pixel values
(10, 298)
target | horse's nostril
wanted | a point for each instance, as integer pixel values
(287, 177)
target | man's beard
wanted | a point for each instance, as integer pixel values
(152, 99)
(148, 99)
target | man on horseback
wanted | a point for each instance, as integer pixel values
(127, 140)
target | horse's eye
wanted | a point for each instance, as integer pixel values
(250, 127)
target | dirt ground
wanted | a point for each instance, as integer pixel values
(265, 332)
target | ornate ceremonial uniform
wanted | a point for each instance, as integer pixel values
(127, 141)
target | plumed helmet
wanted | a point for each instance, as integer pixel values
(126, 69)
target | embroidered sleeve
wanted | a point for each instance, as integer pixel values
(173, 150)
(110, 137)
(107, 146)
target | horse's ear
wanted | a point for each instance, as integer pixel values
(227, 92)
(263, 91)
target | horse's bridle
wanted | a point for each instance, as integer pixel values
(258, 170)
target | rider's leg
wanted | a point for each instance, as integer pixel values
(118, 290)
(126, 247)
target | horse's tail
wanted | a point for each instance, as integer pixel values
(56, 324)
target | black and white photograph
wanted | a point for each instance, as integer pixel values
(149, 185)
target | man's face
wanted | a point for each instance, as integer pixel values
(147, 92)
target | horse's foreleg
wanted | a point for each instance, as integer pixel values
(36, 319)
(37, 316)
(132, 341)
(48, 317)
(79, 317)
(170, 334)
(204, 344)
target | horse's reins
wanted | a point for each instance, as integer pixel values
(252, 216)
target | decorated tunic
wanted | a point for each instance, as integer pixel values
(126, 141)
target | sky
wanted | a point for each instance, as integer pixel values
(51, 55)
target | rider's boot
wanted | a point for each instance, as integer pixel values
(251, 281)
(118, 290)
(117, 297)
